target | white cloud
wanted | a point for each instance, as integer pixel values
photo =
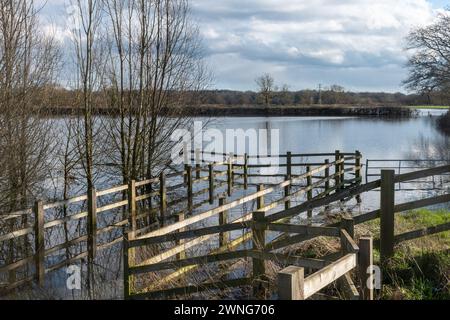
(339, 35)
(357, 43)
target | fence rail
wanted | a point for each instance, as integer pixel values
(292, 283)
(148, 206)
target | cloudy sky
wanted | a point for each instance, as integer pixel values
(355, 43)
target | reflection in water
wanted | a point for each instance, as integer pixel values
(375, 138)
(415, 138)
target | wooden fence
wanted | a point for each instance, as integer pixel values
(292, 284)
(102, 216)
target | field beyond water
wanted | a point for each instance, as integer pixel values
(430, 107)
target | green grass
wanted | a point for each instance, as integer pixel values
(429, 107)
(417, 277)
(426, 217)
(420, 268)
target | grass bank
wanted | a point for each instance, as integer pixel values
(430, 107)
(420, 268)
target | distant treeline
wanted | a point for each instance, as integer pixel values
(326, 97)
(66, 98)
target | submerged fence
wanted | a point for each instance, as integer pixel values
(96, 221)
(292, 283)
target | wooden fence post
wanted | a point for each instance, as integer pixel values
(260, 200)
(198, 166)
(189, 189)
(92, 223)
(211, 183)
(182, 255)
(337, 169)
(309, 193)
(348, 224)
(245, 172)
(358, 166)
(132, 204)
(342, 172)
(39, 242)
(365, 267)
(258, 244)
(162, 198)
(289, 164)
(387, 202)
(291, 283)
(358, 172)
(230, 175)
(287, 193)
(327, 175)
(223, 219)
(128, 261)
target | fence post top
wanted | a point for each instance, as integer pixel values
(366, 238)
(129, 235)
(259, 215)
(292, 270)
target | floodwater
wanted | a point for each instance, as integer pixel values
(388, 139)
(376, 138)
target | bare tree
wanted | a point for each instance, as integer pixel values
(154, 69)
(87, 20)
(88, 60)
(266, 87)
(429, 65)
(28, 68)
